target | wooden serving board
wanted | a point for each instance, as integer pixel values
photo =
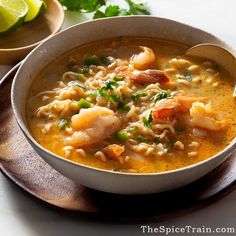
(25, 168)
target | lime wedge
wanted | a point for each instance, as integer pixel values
(36, 7)
(12, 15)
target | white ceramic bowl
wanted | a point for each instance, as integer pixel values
(108, 181)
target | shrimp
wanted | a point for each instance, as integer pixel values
(150, 76)
(167, 109)
(203, 117)
(92, 126)
(144, 59)
(114, 151)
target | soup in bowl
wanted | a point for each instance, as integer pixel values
(119, 112)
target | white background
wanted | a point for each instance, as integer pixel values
(21, 215)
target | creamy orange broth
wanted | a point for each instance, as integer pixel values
(218, 91)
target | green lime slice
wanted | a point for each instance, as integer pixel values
(12, 15)
(36, 7)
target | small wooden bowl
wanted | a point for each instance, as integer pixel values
(15, 46)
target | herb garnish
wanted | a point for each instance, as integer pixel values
(115, 10)
(86, 6)
(105, 91)
(96, 61)
(63, 123)
(105, 60)
(141, 138)
(133, 130)
(138, 94)
(118, 78)
(92, 60)
(109, 84)
(123, 106)
(74, 67)
(162, 95)
(188, 77)
(147, 121)
(112, 10)
(137, 8)
(80, 85)
(110, 97)
(82, 5)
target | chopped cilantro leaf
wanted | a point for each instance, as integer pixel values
(63, 123)
(112, 10)
(91, 5)
(123, 106)
(105, 60)
(109, 84)
(162, 95)
(188, 77)
(80, 85)
(99, 14)
(85, 6)
(82, 5)
(118, 78)
(111, 97)
(105, 91)
(115, 10)
(141, 138)
(96, 61)
(137, 8)
(138, 94)
(92, 60)
(133, 130)
(147, 121)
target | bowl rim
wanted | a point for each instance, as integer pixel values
(58, 27)
(225, 152)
